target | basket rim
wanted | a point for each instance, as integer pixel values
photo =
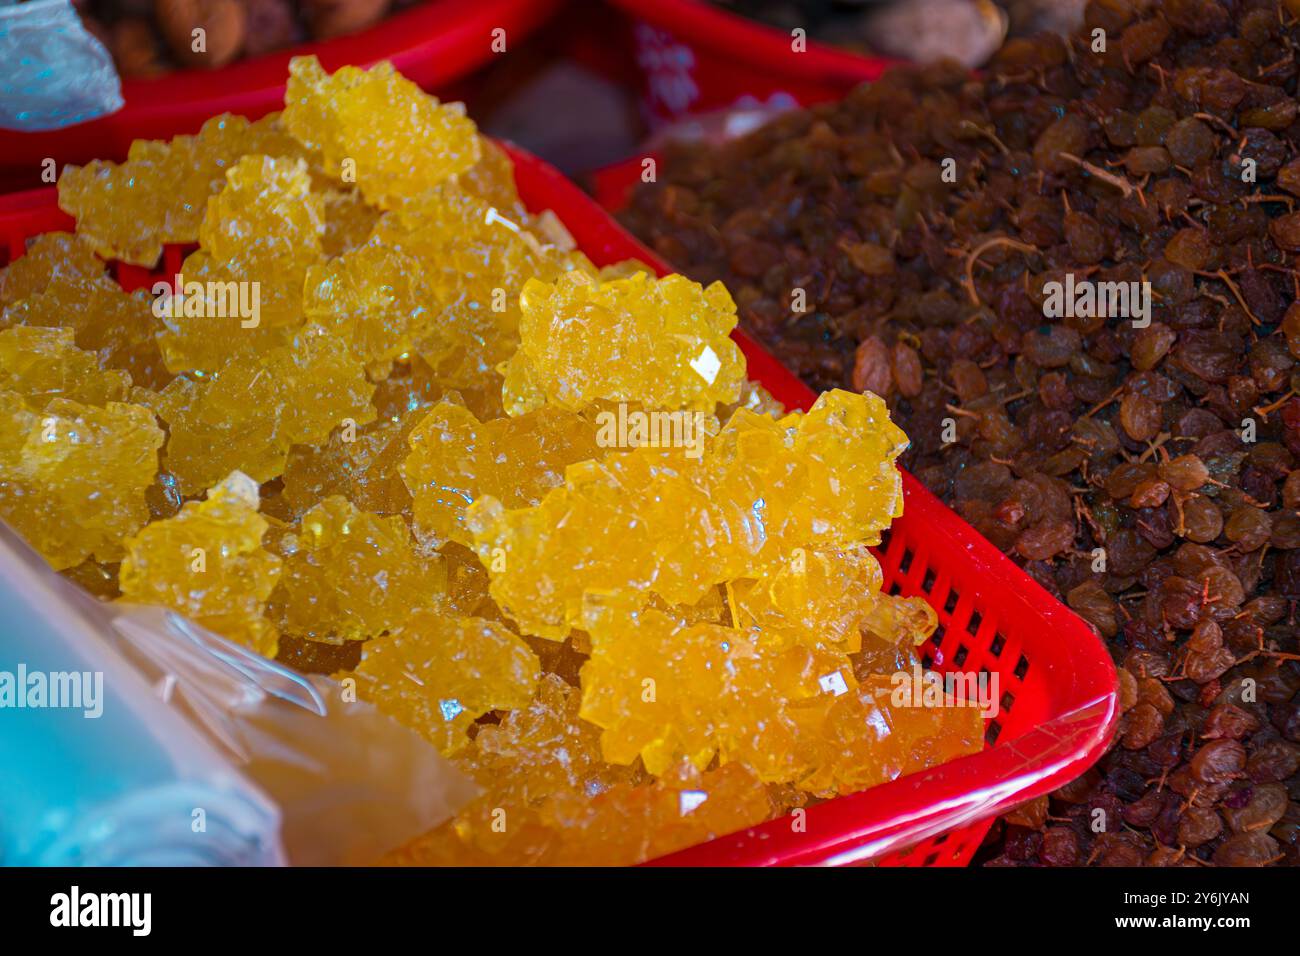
(894, 815)
(732, 37)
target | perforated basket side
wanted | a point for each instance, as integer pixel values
(954, 848)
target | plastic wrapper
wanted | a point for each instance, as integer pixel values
(52, 71)
(170, 745)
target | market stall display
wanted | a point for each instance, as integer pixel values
(372, 411)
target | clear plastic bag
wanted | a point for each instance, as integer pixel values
(170, 745)
(53, 73)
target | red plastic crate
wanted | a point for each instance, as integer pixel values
(1059, 703)
(695, 58)
(434, 44)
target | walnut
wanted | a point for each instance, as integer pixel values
(223, 23)
(332, 18)
(272, 25)
(136, 47)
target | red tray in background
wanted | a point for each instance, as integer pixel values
(1058, 688)
(696, 58)
(433, 44)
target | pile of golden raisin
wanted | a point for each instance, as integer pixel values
(403, 469)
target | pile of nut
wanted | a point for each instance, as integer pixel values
(149, 37)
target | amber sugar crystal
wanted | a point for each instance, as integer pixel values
(528, 507)
(208, 562)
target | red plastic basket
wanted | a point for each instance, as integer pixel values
(433, 44)
(696, 58)
(1059, 694)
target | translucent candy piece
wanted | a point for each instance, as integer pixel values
(439, 218)
(373, 297)
(42, 363)
(665, 692)
(349, 575)
(661, 343)
(622, 826)
(73, 476)
(118, 328)
(242, 292)
(49, 255)
(412, 387)
(362, 463)
(473, 263)
(901, 620)
(827, 595)
(515, 764)
(655, 519)
(209, 564)
(792, 712)
(492, 179)
(248, 415)
(206, 329)
(398, 140)
(348, 221)
(455, 459)
(624, 269)
(714, 608)
(129, 210)
(628, 825)
(578, 810)
(364, 469)
(438, 674)
(266, 215)
(874, 734)
(756, 399)
(476, 290)
(521, 839)
(467, 585)
(215, 427)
